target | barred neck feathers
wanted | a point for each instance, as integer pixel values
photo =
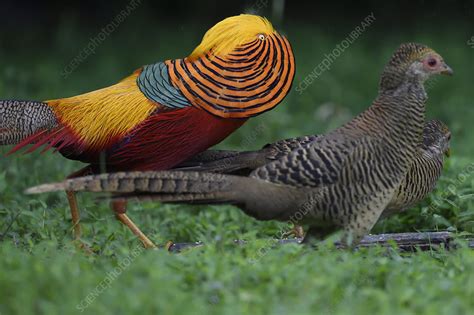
(399, 110)
(398, 74)
(241, 69)
(399, 119)
(401, 86)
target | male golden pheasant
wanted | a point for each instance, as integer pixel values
(163, 113)
(343, 180)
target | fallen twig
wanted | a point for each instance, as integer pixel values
(404, 241)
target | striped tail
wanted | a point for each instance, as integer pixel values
(170, 186)
(22, 119)
(258, 198)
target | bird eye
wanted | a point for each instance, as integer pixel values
(261, 36)
(432, 62)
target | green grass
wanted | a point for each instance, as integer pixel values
(41, 272)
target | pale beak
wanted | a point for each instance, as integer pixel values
(446, 70)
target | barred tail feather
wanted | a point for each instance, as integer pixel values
(258, 198)
(144, 182)
(189, 187)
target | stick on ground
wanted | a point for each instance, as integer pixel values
(407, 242)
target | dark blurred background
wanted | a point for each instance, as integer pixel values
(20, 16)
(39, 40)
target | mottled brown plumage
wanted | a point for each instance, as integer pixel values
(425, 169)
(419, 181)
(243, 162)
(344, 179)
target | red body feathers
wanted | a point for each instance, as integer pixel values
(169, 138)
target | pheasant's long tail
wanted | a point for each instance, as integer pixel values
(22, 119)
(258, 198)
(183, 186)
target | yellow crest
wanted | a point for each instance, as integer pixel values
(232, 32)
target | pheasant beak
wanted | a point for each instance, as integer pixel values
(447, 153)
(446, 70)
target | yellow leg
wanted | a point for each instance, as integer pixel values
(147, 243)
(120, 207)
(76, 220)
(71, 197)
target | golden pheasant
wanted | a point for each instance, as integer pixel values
(342, 180)
(163, 113)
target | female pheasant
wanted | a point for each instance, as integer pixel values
(163, 113)
(418, 183)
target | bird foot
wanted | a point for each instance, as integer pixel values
(168, 245)
(297, 231)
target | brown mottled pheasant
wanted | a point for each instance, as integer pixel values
(344, 179)
(435, 138)
(419, 181)
(243, 162)
(425, 169)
